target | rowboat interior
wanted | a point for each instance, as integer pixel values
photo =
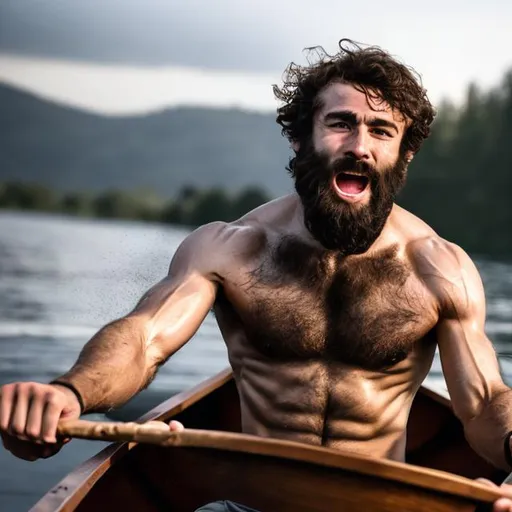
(211, 460)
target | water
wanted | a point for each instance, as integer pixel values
(63, 278)
(60, 280)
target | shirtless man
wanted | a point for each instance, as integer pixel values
(331, 300)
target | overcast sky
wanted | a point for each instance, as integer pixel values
(125, 56)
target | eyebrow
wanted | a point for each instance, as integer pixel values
(351, 118)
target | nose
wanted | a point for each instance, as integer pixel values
(358, 145)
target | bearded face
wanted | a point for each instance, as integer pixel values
(344, 226)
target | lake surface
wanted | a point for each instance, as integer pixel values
(62, 278)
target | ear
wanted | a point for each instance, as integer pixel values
(409, 155)
(295, 145)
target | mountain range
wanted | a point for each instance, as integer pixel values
(71, 150)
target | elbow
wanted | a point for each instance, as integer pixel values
(479, 401)
(486, 426)
(469, 410)
(156, 354)
(470, 414)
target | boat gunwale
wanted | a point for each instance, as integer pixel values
(400, 472)
(71, 490)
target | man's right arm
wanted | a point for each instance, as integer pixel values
(123, 357)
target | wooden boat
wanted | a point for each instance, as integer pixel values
(211, 460)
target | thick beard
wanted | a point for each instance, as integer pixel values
(337, 225)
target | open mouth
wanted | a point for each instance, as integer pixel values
(350, 184)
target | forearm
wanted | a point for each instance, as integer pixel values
(112, 367)
(487, 431)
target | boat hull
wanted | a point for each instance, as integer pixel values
(213, 461)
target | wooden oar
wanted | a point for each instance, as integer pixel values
(152, 432)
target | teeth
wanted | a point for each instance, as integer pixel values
(353, 174)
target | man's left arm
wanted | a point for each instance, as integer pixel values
(480, 398)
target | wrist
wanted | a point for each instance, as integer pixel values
(70, 387)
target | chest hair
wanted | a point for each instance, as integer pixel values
(308, 303)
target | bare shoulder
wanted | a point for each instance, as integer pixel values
(217, 247)
(207, 245)
(274, 211)
(251, 231)
(426, 250)
(446, 269)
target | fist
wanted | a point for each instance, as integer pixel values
(29, 414)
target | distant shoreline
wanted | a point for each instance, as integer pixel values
(191, 208)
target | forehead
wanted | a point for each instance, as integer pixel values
(340, 96)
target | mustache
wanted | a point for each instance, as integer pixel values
(351, 164)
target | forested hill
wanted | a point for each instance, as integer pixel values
(460, 182)
(68, 149)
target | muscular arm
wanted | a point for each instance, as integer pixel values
(123, 357)
(479, 396)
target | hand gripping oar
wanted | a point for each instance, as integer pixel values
(153, 432)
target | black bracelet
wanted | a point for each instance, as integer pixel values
(74, 390)
(506, 447)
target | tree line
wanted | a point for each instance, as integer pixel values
(459, 182)
(191, 207)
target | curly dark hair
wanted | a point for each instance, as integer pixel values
(370, 70)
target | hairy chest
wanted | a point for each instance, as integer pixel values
(303, 304)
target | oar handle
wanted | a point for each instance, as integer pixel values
(154, 432)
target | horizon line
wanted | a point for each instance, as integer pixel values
(127, 91)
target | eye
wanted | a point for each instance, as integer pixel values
(382, 133)
(340, 124)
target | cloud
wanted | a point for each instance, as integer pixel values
(449, 43)
(225, 34)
